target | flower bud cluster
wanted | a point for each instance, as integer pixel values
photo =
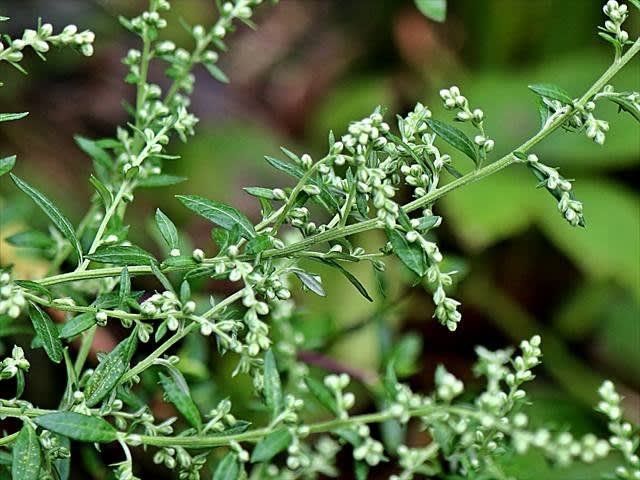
(41, 39)
(617, 14)
(405, 401)
(411, 460)
(448, 386)
(454, 100)
(10, 366)
(168, 306)
(560, 188)
(344, 401)
(624, 437)
(370, 450)
(12, 300)
(446, 308)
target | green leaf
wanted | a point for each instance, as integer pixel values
(454, 137)
(102, 162)
(218, 213)
(411, 254)
(6, 164)
(77, 325)
(178, 394)
(107, 374)
(54, 214)
(31, 239)
(128, 255)
(34, 287)
(361, 470)
(352, 278)
(552, 92)
(258, 244)
(635, 3)
(103, 191)
(228, 468)
(27, 456)
(125, 286)
(312, 282)
(167, 229)
(76, 426)
(9, 117)
(271, 445)
(433, 9)
(260, 192)
(322, 394)
(47, 332)
(272, 387)
(160, 181)
(216, 72)
(622, 103)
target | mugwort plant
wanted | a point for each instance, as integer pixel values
(353, 189)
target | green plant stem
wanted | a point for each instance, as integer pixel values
(421, 202)
(80, 309)
(105, 223)
(85, 348)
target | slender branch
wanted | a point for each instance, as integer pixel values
(374, 223)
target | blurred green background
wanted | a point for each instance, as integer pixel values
(315, 65)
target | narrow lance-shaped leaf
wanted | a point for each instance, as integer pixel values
(224, 215)
(454, 137)
(271, 445)
(272, 385)
(107, 374)
(167, 229)
(9, 117)
(322, 394)
(352, 278)
(77, 325)
(129, 255)
(181, 399)
(411, 254)
(312, 282)
(228, 468)
(47, 332)
(54, 214)
(6, 164)
(102, 190)
(552, 92)
(76, 426)
(27, 455)
(623, 104)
